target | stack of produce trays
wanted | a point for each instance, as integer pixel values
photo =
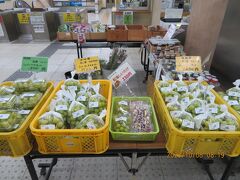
(195, 119)
(133, 118)
(75, 118)
(19, 103)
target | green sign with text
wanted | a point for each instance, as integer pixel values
(127, 17)
(34, 64)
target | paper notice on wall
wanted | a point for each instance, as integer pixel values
(1, 31)
(37, 18)
(39, 28)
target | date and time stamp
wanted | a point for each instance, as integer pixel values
(196, 155)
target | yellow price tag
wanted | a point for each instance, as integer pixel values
(69, 17)
(23, 18)
(88, 64)
(188, 64)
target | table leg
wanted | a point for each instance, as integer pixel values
(30, 166)
(81, 50)
(205, 164)
(77, 49)
(228, 168)
(147, 71)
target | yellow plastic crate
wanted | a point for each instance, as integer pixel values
(74, 141)
(19, 142)
(195, 143)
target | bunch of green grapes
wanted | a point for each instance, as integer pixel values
(76, 114)
(28, 100)
(96, 104)
(51, 119)
(91, 121)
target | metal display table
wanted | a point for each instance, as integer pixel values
(119, 149)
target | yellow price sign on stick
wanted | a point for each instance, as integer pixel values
(23, 18)
(188, 64)
(88, 64)
(69, 17)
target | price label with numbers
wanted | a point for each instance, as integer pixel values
(88, 64)
(188, 64)
(34, 64)
(69, 17)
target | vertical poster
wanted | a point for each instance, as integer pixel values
(127, 17)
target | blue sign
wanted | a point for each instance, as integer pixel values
(75, 3)
(2, 1)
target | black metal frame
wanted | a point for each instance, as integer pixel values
(132, 153)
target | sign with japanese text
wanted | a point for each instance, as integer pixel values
(69, 17)
(121, 75)
(128, 17)
(88, 64)
(188, 64)
(23, 18)
(34, 64)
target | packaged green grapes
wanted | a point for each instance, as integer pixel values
(6, 90)
(91, 121)
(72, 84)
(28, 100)
(51, 120)
(122, 106)
(7, 101)
(9, 120)
(183, 120)
(174, 105)
(195, 107)
(122, 122)
(83, 97)
(61, 106)
(25, 85)
(77, 111)
(96, 104)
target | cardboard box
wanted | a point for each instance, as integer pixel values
(120, 33)
(98, 36)
(137, 33)
(64, 36)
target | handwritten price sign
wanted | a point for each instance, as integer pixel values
(88, 64)
(121, 75)
(188, 64)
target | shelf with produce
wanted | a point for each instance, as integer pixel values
(214, 130)
(16, 139)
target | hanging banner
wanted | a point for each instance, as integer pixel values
(188, 64)
(127, 17)
(121, 75)
(23, 18)
(34, 64)
(88, 64)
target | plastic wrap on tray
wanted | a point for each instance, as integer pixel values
(25, 85)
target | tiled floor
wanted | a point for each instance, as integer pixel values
(61, 57)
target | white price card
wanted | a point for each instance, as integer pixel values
(24, 112)
(73, 88)
(121, 119)
(78, 113)
(199, 110)
(81, 98)
(227, 127)
(213, 110)
(233, 102)
(121, 75)
(214, 126)
(188, 124)
(93, 104)
(48, 126)
(4, 116)
(123, 103)
(61, 108)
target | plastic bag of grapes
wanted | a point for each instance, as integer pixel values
(51, 120)
(77, 111)
(96, 104)
(7, 90)
(61, 106)
(7, 101)
(91, 121)
(28, 100)
(9, 120)
(92, 89)
(186, 98)
(164, 85)
(38, 85)
(195, 107)
(196, 85)
(22, 116)
(174, 105)
(122, 106)
(215, 109)
(183, 120)
(170, 96)
(122, 123)
(234, 93)
(72, 84)
(229, 123)
(180, 86)
(83, 97)
(22, 85)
